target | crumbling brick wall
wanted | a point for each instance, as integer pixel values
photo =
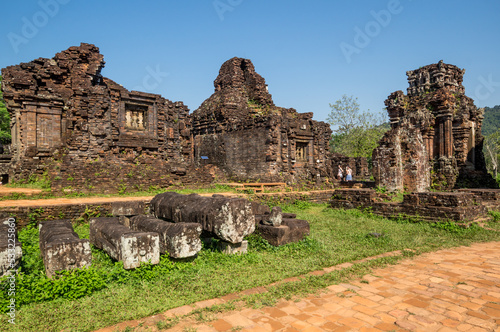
(435, 138)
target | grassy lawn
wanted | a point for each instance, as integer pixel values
(337, 236)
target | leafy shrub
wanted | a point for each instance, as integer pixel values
(302, 205)
(495, 215)
(448, 226)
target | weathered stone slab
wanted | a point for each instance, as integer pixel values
(132, 208)
(229, 219)
(123, 244)
(10, 248)
(179, 240)
(291, 230)
(61, 248)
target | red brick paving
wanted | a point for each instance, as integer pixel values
(449, 290)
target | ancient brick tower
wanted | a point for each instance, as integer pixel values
(435, 139)
(240, 130)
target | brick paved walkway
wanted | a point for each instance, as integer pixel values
(449, 290)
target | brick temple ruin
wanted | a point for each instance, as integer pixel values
(83, 130)
(435, 138)
(239, 124)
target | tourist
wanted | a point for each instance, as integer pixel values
(340, 173)
(348, 170)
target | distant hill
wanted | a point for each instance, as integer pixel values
(491, 121)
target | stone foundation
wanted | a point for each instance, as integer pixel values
(291, 230)
(431, 206)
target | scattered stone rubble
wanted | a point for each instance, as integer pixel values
(123, 244)
(175, 226)
(61, 248)
(435, 138)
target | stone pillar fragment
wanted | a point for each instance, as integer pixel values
(10, 248)
(123, 244)
(229, 219)
(179, 240)
(61, 248)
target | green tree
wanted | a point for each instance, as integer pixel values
(491, 121)
(491, 151)
(357, 132)
(5, 137)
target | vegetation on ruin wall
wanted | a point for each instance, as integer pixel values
(355, 133)
(106, 294)
(5, 137)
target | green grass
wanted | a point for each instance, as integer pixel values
(337, 236)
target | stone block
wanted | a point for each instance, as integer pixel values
(233, 248)
(229, 219)
(291, 230)
(132, 208)
(179, 240)
(123, 244)
(298, 229)
(61, 248)
(260, 209)
(10, 248)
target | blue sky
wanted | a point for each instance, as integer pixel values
(309, 52)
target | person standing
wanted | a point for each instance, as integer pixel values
(348, 170)
(340, 173)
